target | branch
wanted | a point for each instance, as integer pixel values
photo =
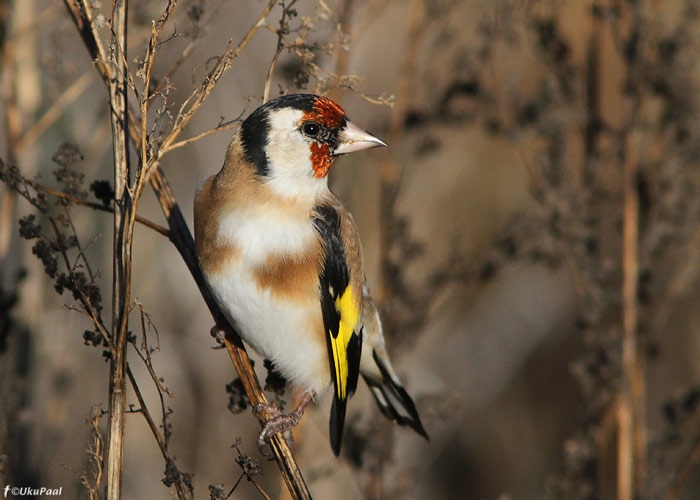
(123, 233)
(191, 140)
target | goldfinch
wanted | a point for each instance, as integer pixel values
(282, 257)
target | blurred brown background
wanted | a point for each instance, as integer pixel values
(498, 264)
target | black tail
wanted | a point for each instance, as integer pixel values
(393, 400)
(337, 422)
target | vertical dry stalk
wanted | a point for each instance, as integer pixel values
(123, 231)
(632, 442)
(632, 435)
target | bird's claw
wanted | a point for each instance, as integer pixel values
(279, 423)
(219, 334)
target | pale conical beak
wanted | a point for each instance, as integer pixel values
(352, 138)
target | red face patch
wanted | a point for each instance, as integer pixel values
(330, 115)
(321, 159)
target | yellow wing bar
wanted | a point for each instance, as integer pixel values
(348, 309)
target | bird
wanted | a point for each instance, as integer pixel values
(281, 255)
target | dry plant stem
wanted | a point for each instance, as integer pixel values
(260, 489)
(288, 466)
(632, 435)
(7, 203)
(95, 452)
(123, 232)
(189, 49)
(87, 306)
(219, 128)
(632, 445)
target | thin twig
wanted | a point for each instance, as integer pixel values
(142, 136)
(281, 31)
(342, 56)
(95, 454)
(632, 450)
(81, 13)
(88, 308)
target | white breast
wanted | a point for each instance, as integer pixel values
(261, 231)
(282, 330)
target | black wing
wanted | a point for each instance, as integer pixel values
(341, 317)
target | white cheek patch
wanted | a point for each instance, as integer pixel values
(287, 149)
(288, 153)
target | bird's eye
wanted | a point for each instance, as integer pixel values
(311, 129)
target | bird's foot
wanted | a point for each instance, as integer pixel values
(280, 422)
(219, 334)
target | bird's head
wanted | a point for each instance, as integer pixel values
(298, 137)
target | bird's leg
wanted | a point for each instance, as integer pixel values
(219, 334)
(281, 422)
